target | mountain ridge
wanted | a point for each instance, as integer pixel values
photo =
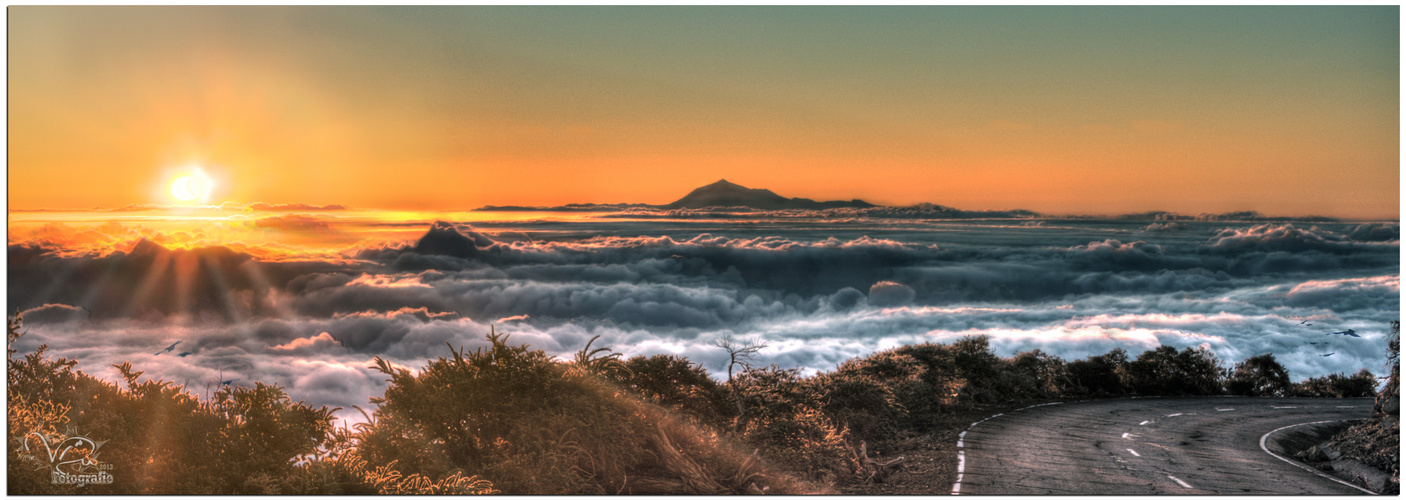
(718, 194)
(727, 194)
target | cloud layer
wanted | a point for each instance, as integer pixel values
(1071, 288)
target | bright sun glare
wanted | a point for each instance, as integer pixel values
(195, 186)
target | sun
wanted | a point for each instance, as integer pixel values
(195, 186)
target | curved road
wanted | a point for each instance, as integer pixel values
(1146, 446)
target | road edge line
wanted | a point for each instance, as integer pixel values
(1265, 438)
(961, 454)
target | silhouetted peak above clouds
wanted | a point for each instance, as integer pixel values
(147, 247)
(727, 194)
(444, 239)
(220, 256)
(728, 200)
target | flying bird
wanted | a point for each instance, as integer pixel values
(228, 382)
(1302, 322)
(168, 348)
(1349, 333)
(1315, 343)
(1329, 354)
(184, 354)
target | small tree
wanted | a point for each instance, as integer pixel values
(1100, 375)
(1258, 376)
(1164, 371)
(739, 354)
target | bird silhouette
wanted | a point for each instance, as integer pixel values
(1349, 333)
(1302, 322)
(168, 348)
(230, 381)
(184, 354)
(1329, 354)
(1315, 343)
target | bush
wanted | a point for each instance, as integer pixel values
(863, 405)
(1100, 375)
(158, 438)
(1337, 385)
(1165, 372)
(1042, 375)
(1258, 376)
(532, 425)
(919, 377)
(679, 385)
(783, 416)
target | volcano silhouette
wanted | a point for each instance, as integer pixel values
(727, 194)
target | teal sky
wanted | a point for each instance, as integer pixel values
(1286, 110)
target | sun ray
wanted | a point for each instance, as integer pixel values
(223, 290)
(152, 279)
(186, 270)
(59, 282)
(265, 289)
(94, 292)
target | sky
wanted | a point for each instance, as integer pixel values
(1088, 110)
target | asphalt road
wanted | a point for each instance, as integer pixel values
(1150, 446)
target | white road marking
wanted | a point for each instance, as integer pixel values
(1130, 450)
(1174, 415)
(961, 468)
(1282, 407)
(962, 455)
(1265, 438)
(1125, 435)
(1144, 422)
(1225, 409)
(1182, 483)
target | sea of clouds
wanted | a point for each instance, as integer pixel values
(817, 291)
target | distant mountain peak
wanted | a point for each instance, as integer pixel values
(728, 194)
(444, 238)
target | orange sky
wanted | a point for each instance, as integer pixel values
(1284, 110)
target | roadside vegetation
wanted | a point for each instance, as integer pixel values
(1377, 441)
(511, 419)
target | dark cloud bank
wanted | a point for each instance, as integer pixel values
(1072, 288)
